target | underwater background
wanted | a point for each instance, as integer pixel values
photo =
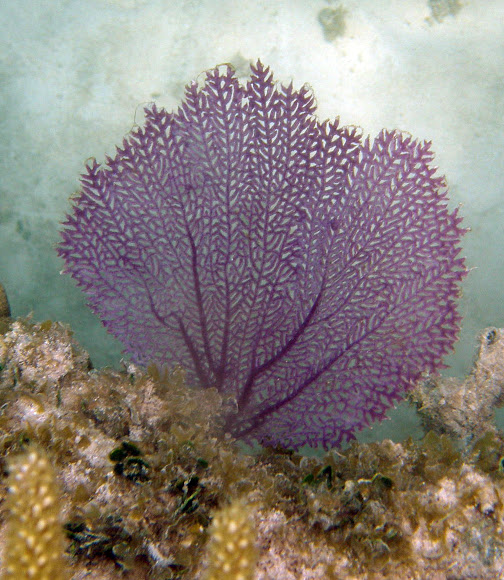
(76, 75)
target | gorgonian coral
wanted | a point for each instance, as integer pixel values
(282, 260)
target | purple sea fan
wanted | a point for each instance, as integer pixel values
(284, 261)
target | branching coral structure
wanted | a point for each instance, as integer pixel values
(34, 548)
(308, 273)
(232, 551)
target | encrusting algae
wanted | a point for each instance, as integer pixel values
(149, 484)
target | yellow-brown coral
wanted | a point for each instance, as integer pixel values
(232, 547)
(35, 541)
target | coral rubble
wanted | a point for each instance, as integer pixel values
(144, 468)
(464, 409)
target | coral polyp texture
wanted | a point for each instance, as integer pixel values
(308, 273)
(35, 541)
(232, 550)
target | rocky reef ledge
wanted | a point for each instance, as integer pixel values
(150, 486)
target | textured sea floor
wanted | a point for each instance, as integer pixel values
(144, 468)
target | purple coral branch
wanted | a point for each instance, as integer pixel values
(309, 275)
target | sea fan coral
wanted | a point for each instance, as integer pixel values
(284, 261)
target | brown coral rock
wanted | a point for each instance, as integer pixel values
(464, 409)
(4, 303)
(143, 465)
